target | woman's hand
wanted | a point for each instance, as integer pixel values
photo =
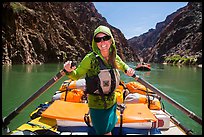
(130, 72)
(68, 66)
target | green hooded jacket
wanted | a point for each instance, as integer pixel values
(89, 66)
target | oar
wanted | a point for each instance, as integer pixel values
(52, 81)
(170, 100)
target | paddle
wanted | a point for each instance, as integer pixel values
(170, 100)
(50, 83)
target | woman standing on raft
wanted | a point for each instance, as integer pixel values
(100, 69)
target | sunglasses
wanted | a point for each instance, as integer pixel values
(99, 39)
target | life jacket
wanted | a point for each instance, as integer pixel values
(103, 84)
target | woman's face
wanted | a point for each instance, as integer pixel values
(103, 42)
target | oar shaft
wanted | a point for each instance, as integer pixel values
(49, 84)
(186, 130)
(170, 100)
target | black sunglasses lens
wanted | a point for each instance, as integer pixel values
(106, 38)
(99, 39)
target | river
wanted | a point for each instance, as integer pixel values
(183, 84)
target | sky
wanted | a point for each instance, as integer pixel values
(136, 18)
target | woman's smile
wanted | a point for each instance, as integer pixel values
(104, 46)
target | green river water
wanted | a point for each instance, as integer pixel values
(183, 84)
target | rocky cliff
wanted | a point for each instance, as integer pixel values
(178, 39)
(45, 32)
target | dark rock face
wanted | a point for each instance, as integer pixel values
(45, 32)
(180, 34)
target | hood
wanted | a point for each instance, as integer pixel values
(107, 31)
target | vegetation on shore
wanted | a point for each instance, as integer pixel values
(181, 60)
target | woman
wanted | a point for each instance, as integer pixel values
(100, 69)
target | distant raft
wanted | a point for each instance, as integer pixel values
(143, 67)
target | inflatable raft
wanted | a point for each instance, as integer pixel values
(139, 111)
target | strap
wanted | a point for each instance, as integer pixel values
(113, 81)
(126, 90)
(121, 107)
(65, 98)
(101, 93)
(67, 89)
(148, 99)
(101, 63)
(87, 119)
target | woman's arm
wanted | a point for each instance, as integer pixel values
(124, 67)
(81, 70)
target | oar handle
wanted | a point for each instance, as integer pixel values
(167, 98)
(52, 81)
